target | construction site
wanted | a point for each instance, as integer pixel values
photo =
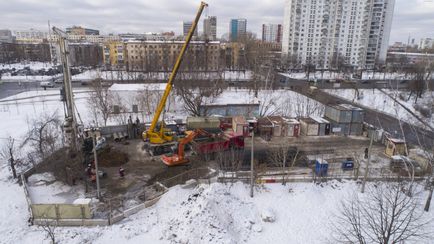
(128, 167)
(189, 139)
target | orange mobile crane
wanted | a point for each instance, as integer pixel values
(158, 141)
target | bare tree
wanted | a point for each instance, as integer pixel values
(100, 102)
(8, 152)
(385, 215)
(194, 99)
(284, 157)
(43, 134)
(50, 230)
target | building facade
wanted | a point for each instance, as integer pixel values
(80, 31)
(156, 56)
(186, 26)
(30, 36)
(18, 52)
(272, 33)
(210, 28)
(328, 33)
(237, 29)
(114, 55)
(6, 36)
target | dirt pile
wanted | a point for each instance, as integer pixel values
(111, 157)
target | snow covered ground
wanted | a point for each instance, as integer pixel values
(216, 213)
(376, 99)
(366, 75)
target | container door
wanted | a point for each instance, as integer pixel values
(327, 129)
(291, 130)
(296, 130)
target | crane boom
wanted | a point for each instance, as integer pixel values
(159, 137)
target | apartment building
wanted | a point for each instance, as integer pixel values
(186, 26)
(114, 54)
(237, 29)
(272, 33)
(325, 33)
(154, 56)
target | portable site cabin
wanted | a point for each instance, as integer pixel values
(240, 125)
(309, 127)
(395, 147)
(293, 128)
(323, 126)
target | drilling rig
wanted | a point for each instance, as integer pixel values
(70, 126)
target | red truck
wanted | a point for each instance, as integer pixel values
(221, 143)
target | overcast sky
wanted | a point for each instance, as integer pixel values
(414, 17)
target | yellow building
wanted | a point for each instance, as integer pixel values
(114, 54)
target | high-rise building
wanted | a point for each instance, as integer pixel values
(325, 33)
(272, 33)
(237, 29)
(186, 26)
(210, 28)
(426, 43)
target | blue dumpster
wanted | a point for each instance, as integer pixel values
(348, 164)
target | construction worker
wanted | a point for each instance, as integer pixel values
(121, 172)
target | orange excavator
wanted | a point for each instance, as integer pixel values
(179, 158)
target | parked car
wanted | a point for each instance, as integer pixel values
(46, 84)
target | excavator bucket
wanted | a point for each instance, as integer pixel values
(173, 160)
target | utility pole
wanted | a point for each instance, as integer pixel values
(251, 164)
(369, 161)
(95, 156)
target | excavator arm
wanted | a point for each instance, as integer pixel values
(160, 137)
(180, 158)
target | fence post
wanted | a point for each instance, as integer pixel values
(56, 208)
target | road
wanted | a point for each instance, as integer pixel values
(413, 134)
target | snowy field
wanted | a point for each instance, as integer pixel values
(377, 100)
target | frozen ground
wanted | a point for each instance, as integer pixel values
(377, 100)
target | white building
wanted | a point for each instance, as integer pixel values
(31, 35)
(271, 32)
(210, 27)
(328, 33)
(426, 43)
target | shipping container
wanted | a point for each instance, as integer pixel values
(323, 126)
(356, 129)
(344, 113)
(206, 123)
(340, 129)
(309, 127)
